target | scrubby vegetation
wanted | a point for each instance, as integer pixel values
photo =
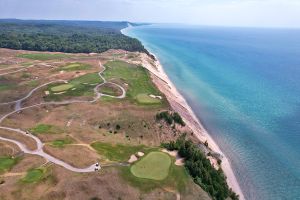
(204, 174)
(66, 36)
(170, 118)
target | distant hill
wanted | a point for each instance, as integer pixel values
(66, 36)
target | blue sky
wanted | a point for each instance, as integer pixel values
(260, 13)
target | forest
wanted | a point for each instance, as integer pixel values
(66, 36)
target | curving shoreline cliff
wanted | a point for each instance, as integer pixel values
(180, 105)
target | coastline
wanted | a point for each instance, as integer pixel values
(180, 105)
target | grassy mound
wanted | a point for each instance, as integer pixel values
(75, 66)
(153, 166)
(137, 78)
(34, 175)
(146, 99)
(61, 88)
(117, 152)
(46, 129)
(43, 56)
(6, 163)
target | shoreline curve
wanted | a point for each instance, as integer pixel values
(180, 105)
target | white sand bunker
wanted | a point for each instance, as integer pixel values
(140, 154)
(179, 161)
(132, 158)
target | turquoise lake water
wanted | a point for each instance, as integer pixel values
(244, 85)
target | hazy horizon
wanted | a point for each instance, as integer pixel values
(239, 13)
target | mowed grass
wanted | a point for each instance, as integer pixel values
(6, 163)
(43, 56)
(61, 88)
(154, 165)
(146, 99)
(137, 78)
(81, 86)
(75, 66)
(176, 179)
(45, 129)
(61, 143)
(117, 152)
(34, 175)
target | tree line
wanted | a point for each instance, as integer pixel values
(199, 167)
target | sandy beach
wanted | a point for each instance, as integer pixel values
(179, 104)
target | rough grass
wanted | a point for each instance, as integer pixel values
(146, 99)
(34, 175)
(117, 152)
(61, 143)
(154, 165)
(137, 78)
(43, 56)
(75, 66)
(6, 163)
(62, 87)
(177, 179)
(109, 90)
(46, 129)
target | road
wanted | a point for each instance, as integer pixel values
(39, 150)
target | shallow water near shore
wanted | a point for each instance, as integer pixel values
(244, 86)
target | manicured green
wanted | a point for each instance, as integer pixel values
(43, 56)
(61, 142)
(34, 175)
(6, 163)
(61, 88)
(75, 66)
(137, 78)
(154, 165)
(92, 78)
(46, 129)
(117, 152)
(146, 99)
(177, 179)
